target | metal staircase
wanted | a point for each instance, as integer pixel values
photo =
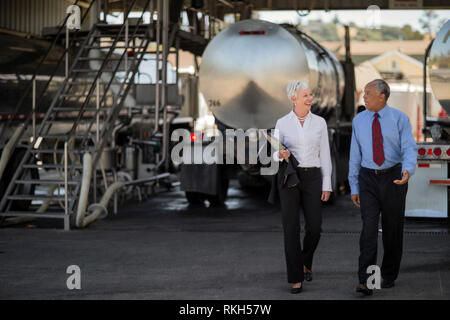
(94, 91)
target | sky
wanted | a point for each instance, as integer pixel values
(359, 17)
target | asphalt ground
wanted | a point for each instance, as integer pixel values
(164, 248)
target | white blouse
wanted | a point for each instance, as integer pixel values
(308, 143)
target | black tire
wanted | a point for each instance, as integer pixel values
(195, 197)
(221, 196)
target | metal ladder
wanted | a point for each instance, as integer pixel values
(91, 100)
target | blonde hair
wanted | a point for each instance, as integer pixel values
(293, 87)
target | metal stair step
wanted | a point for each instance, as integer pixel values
(121, 36)
(52, 166)
(106, 47)
(84, 95)
(113, 28)
(136, 50)
(60, 214)
(61, 150)
(79, 83)
(74, 109)
(96, 71)
(38, 197)
(101, 59)
(70, 120)
(65, 136)
(48, 181)
(84, 70)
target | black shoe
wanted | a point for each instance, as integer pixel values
(296, 290)
(308, 276)
(364, 290)
(385, 284)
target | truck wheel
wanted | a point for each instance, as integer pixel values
(221, 196)
(195, 197)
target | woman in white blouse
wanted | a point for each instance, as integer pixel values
(306, 136)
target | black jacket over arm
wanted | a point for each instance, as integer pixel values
(286, 177)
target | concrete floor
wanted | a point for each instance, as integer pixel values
(165, 249)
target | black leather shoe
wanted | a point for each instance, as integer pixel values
(308, 276)
(364, 290)
(296, 290)
(385, 284)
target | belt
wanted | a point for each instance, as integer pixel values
(307, 168)
(382, 171)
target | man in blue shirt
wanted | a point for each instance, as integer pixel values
(383, 156)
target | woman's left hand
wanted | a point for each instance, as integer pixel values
(325, 195)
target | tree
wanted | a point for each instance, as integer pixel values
(336, 19)
(427, 19)
(408, 33)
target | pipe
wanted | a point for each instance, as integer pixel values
(84, 192)
(99, 208)
(425, 58)
(82, 218)
(158, 42)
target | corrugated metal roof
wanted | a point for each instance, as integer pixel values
(30, 16)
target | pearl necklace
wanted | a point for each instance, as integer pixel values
(302, 119)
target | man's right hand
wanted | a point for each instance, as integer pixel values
(284, 154)
(355, 200)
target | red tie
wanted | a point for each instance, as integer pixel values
(377, 141)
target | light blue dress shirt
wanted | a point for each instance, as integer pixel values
(398, 143)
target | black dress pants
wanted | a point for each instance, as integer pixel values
(379, 194)
(307, 196)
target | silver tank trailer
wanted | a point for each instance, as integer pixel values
(243, 77)
(439, 67)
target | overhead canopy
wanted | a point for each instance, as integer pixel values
(221, 7)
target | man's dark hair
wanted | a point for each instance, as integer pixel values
(381, 86)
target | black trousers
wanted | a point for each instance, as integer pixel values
(307, 197)
(379, 194)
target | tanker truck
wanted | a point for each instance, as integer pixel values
(243, 75)
(429, 187)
